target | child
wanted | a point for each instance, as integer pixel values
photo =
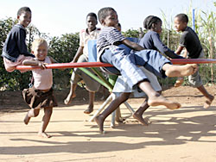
(151, 39)
(122, 87)
(190, 41)
(15, 49)
(127, 64)
(41, 94)
(82, 56)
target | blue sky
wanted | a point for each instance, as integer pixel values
(58, 17)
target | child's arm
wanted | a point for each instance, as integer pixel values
(22, 45)
(78, 54)
(34, 63)
(163, 48)
(185, 53)
(179, 49)
(132, 45)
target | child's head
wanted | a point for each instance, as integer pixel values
(40, 48)
(108, 16)
(180, 22)
(118, 27)
(91, 21)
(153, 23)
(24, 16)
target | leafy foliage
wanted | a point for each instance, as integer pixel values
(63, 49)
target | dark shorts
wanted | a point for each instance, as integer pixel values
(37, 99)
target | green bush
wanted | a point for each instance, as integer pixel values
(63, 49)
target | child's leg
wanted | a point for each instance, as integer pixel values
(11, 66)
(158, 64)
(196, 81)
(111, 108)
(179, 82)
(31, 113)
(139, 113)
(74, 79)
(45, 122)
(155, 98)
(178, 70)
(209, 97)
(91, 103)
(71, 94)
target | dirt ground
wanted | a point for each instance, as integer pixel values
(184, 135)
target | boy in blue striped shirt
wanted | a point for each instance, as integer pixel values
(127, 64)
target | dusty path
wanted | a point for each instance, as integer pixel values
(184, 135)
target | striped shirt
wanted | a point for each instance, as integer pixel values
(85, 36)
(108, 36)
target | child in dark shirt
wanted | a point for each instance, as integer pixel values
(190, 41)
(127, 64)
(15, 49)
(151, 40)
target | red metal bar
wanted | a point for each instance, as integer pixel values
(100, 64)
(66, 65)
(193, 61)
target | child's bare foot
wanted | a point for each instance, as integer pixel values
(89, 110)
(100, 122)
(44, 135)
(208, 102)
(180, 71)
(140, 119)
(160, 100)
(69, 98)
(120, 120)
(179, 82)
(26, 119)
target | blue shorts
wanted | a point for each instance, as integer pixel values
(128, 64)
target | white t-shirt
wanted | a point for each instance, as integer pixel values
(43, 78)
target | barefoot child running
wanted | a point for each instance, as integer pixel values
(190, 41)
(15, 49)
(127, 64)
(41, 94)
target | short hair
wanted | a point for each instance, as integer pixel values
(23, 9)
(37, 42)
(92, 14)
(150, 20)
(103, 13)
(182, 17)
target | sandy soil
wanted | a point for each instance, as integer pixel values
(184, 135)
